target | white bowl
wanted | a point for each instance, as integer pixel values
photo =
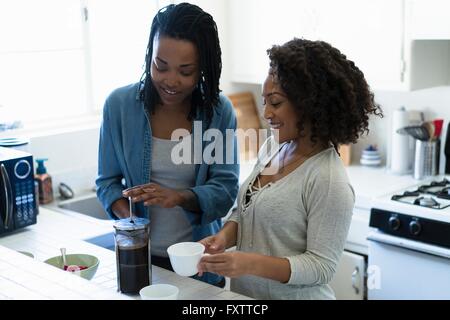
(371, 156)
(369, 151)
(160, 291)
(368, 162)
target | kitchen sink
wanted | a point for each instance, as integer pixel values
(105, 241)
(88, 205)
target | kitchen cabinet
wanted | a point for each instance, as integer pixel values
(255, 25)
(349, 281)
(428, 49)
(374, 34)
(429, 19)
(368, 37)
(368, 33)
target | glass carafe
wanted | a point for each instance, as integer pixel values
(134, 269)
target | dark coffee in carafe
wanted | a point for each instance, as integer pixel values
(133, 255)
(133, 269)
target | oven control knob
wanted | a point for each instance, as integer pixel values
(394, 223)
(415, 227)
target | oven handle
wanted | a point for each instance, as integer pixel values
(409, 244)
(8, 194)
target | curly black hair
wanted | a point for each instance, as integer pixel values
(186, 21)
(328, 90)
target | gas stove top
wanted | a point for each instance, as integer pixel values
(429, 199)
(435, 195)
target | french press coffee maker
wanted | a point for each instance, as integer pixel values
(134, 269)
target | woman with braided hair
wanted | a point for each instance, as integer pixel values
(178, 90)
(292, 221)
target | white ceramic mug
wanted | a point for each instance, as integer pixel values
(159, 291)
(184, 257)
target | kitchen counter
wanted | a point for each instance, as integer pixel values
(372, 182)
(22, 277)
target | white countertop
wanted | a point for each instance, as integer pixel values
(372, 182)
(22, 277)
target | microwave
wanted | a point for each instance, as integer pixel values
(18, 203)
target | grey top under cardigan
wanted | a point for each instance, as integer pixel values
(169, 225)
(304, 217)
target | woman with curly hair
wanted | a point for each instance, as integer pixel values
(292, 223)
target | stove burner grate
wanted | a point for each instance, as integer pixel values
(435, 187)
(405, 194)
(415, 198)
(428, 202)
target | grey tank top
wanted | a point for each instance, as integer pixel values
(168, 225)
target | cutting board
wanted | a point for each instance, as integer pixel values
(247, 118)
(345, 152)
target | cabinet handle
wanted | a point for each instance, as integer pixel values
(355, 277)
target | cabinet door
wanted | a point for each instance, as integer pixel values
(348, 282)
(247, 45)
(255, 26)
(429, 20)
(368, 33)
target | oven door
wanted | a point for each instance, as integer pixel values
(406, 269)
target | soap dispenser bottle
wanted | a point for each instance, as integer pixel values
(45, 182)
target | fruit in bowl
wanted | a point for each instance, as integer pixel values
(73, 268)
(84, 265)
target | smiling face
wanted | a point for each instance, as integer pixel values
(174, 70)
(279, 111)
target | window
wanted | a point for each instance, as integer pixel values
(61, 58)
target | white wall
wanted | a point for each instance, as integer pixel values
(72, 157)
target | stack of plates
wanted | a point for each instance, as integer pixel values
(370, 157)
(13, 142)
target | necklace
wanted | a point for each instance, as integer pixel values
(301, 159)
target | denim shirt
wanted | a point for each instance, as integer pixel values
(125, 153)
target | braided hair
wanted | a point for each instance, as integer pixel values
(328, 90)
(189, 22)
